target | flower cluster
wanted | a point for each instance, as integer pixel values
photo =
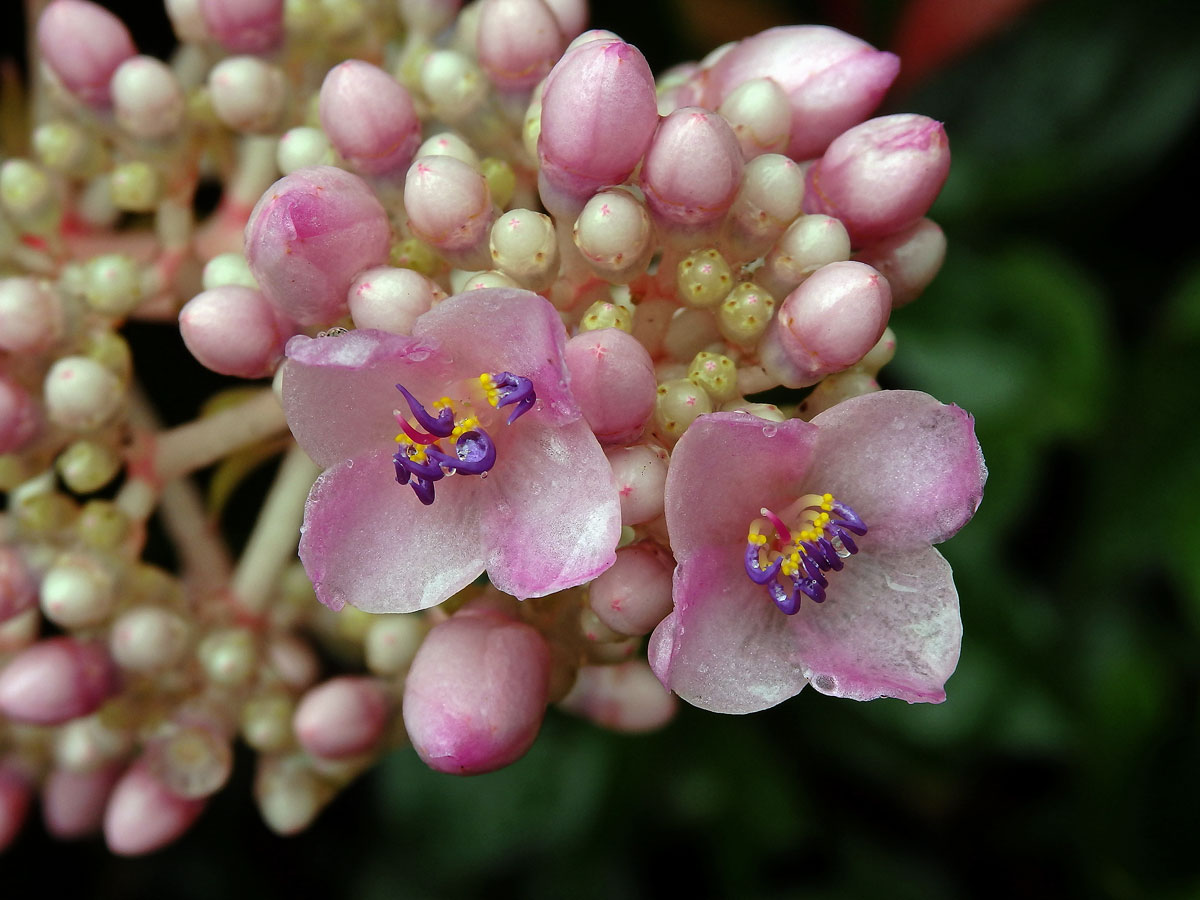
(521, 303)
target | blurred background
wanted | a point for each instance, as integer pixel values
(1066, 761)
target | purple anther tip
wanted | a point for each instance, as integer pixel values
(441, 425)
(849, 518)
(514, 389)
(758, 574)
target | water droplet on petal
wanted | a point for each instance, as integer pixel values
(769, 431)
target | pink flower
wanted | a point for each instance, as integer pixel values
(498, 470)
(804, 553)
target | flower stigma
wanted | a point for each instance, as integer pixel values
(422, 459)
(793, 562)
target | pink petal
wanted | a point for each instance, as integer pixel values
(551, 513)
(724, 469)
(888, 628)
(369, 541)
(726, 648)
(908, 465)
(506, 330)
(339, 392)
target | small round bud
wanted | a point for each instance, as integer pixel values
(148, 639)
(615, 235)
(517, 42)
(501, 180)
(679, 403)
(715, 373)
(111, 350)
(447, 143)
(692, 168)
(603, 314)
(226, 269)
(369, 117)
(54, 681)
(81, 394)
(641, 475)
(908, 259)
(760, 115)
(449, 208)
(744, 315)
(523, 245)
(266, 723)
(187, 19)
(293, 661)
(835, 388)
(703, 279)
(392, 642)
(65, 147)
(626, 696)
(77, 592)
(191, 762)
(454, 85)
(229, 656)
(391, 299)
(770, 198)
(135, 186)
(18, 592)
(289, 793)
(342, 717)
(303, 146)
(879, 355)
(233, 330)
(113, 284)
(143, 815)
(634, 594)
(147, 98)
(613, 382)
(690, 331)
(809, 243)
(29, 196)
(102, 525)
(31, 316)
(490, 278)
(73, 802)
(247, 94)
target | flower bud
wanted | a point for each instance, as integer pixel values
(615, 235)
(369, 118)
(827, 324)
(391, 643)
(229, 656)
(909, 259)
(391, 299)
(634, 594)
(83, 43)
(518, 42)
(31, 317)
(693, 168)
(679, 403)
(18, 416)
(809, 243)
(142, 815)
(148, 639)
(112, 284)
(760, 116)
(188, 21)
(227, 268)
(880, 176)
(625, 697)
(690, 331)
(640, 472)
(342, 717)
(244, 26)
(447, 143)
(18, 592)
(450, 208)
(833, 389)
(289, 793)
(301, 147)
(744, 315)
(81, 394)
(77, 592)
(233, 330)
(428, 17)
(524, 246)
(15, 793)
(832, 80)
(309, 235)
(147, 98)
(769, 199)
(73, 802)
(476, 693)
(612, 379)
(55, 680)
(247, 94)
(454, 85)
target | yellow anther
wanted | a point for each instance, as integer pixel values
(443, 403)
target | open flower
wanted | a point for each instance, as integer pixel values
(449, 452)
(804, 553)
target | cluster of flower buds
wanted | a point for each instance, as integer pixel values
(483, 253)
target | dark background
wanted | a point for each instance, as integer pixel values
(1064, 763)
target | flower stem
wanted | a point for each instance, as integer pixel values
(198, 444)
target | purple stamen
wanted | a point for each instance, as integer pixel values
(514, 389)
(441, 425)
(848, 518)
(758, 574)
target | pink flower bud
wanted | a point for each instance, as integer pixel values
(31, 317)
(18, 416)
(390, 299)
(832, 80)
(880, 176)
(518, 42)
(56, 680)
(641, 475)
(599, 113)
(309, 235)
(233, 330)
(634, 594)
(73, 802)
(15, 794)
(143, 816)
(450, 208)
(624, 697)
(613, 381)
(81, 394)
(147, 98)
(244, 26)
(827, 324)
(342, 717)
(83, 43)
(369, 118)
(476, 693)
(693, 168)
(908, 259)
(18, 592)
(572, 16)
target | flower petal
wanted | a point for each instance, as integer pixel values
(908, 465)
(369, 542)
(725, 648)
(724, 469)
(551, 513)
(889, 628)
(506, 330)
(339, 392)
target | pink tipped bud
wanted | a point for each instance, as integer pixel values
(309, 235)
(16, 791)
(761, 118)
(73, 802)
(518, 42)
(83, 43)
(235, 331)
(832, 80)
(147, 98)
(142, 815)
(641, 475)
(880, 176)
(342, 717)
(18, 416)
(244, 26)
(634, 594)
(572, 16)
(476, 693)
(827, 324)
(56, 680)
(615, 235)
(693, 168)
(391, 299)
(18, 592)
(247, 94)
(613, 381)
(909, 259)
(31, 317)
(624, 697)
(450, 208)
(770, 198)
(599, 113)
(369, 118)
